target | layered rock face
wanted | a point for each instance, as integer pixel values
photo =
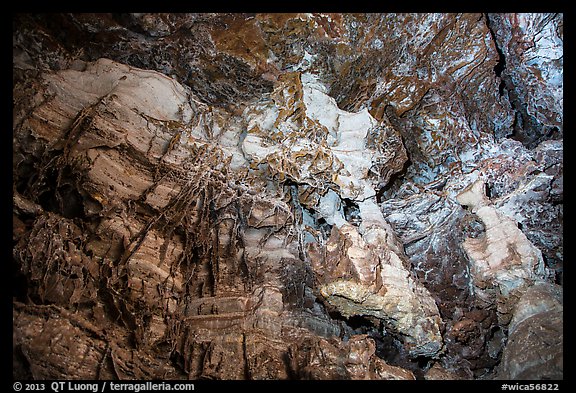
(288, 196)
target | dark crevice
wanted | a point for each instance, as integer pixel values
(19, 283)
(392, 351)
(355, 324)
(516, 125)
(505, 85)
(380, 193)
(501, 64)
(501, 86)
(351, 211)
(21, 367)
(553, 133)
(559, 277)
(61, 199)
(389, 347)
(359, 322)
(522, 130)
(396, 180)
(488, 189)
(525, 128)
(324, 226)
(287, 361)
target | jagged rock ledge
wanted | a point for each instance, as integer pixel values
(287, 196)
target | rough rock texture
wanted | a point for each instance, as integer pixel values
(502, 260)
(535, 336)
(532, 71)
(287, 196)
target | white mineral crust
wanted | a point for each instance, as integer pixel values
(383, 286)
(503, 257)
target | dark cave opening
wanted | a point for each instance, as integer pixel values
(388, 347)
(517, 124)
(25, 174)
(488, 189)
(65, 200)
(351, 211)
(325, 228)
(501, 64)
(55, 189)
(501, 87)
(21, 367)
(553, 133)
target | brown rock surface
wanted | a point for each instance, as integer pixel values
(287, 196)
(536, 336)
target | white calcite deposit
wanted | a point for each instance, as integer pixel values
(303, 136)
(502, 259)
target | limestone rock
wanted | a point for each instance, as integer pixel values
(280, 196)
(503, 258)
(439, 373)
(359, 279)
(302, 135)
(535, 343)
(531, 44)
(329, 360)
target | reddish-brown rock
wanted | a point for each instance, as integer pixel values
(275, 196)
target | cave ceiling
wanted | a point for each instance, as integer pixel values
(288, 196)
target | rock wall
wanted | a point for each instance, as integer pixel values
(287, 196)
